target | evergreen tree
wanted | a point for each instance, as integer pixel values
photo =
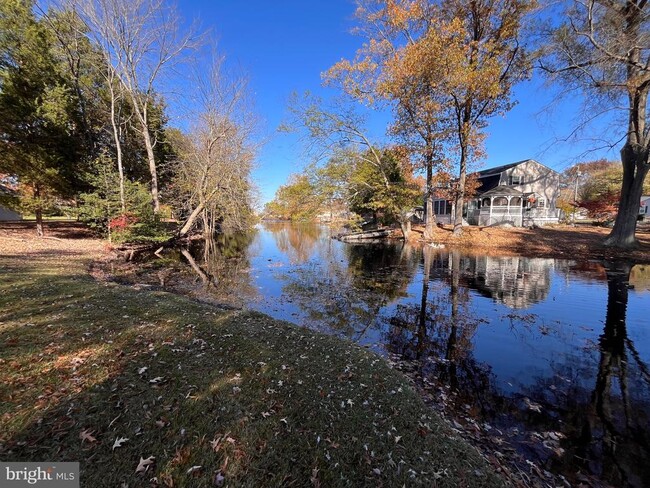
(40, 122)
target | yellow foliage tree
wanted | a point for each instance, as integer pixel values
(446, 68)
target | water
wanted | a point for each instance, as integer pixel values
(553, 354)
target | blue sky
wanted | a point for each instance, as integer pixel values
(283, 46)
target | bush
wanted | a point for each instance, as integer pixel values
(102, 210)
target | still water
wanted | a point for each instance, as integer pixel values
(553, 355)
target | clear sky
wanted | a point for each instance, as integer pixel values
(284, 45)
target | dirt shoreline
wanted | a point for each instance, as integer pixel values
(583, 242)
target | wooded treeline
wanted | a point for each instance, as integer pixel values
(446, 67)
(85, 92)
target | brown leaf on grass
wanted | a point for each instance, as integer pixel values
(215, 444)
(86, 435)
(144, 464)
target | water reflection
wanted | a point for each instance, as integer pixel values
(222, 265)
(347, 295)
(514, 281)
(532, 346)
(297, 241)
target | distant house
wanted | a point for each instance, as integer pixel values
(524, 193)
(644, 209)
(5, 213)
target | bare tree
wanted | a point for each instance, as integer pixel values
(603, 52)
(217, 156)
(141, 40)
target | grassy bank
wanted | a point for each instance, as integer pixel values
(204, 397)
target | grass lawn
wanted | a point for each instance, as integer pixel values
(202, 397)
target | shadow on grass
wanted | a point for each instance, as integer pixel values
(63, 229)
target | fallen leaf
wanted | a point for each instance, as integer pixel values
(119, 441)
(142, 370)
(215, 444)
(86, 435)
(193, 469)
(144, 464)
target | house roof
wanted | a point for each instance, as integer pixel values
(496, 171)
(502, 191)
(488, 179)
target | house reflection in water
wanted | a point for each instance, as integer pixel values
(517, 282)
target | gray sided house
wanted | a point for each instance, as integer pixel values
(524, 193)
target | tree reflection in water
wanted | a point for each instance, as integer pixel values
(222, 265)
(437, 333)
(297, 241)
(606, 431)
(347, 294)
(616, 420)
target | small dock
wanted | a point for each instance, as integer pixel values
(365, 235)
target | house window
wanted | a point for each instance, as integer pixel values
(441, 207)
(486, 202)
(501, 202)
(515, 180)
(541, 203)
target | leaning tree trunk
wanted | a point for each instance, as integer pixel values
(635, 169)
(405, 227)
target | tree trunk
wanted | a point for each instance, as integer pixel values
(118, 147)
(38, 212)
(191, 219)
(429, 217)
(405, 227)
(39, 222)
(635, 169)
(460, 194)
(152, 168)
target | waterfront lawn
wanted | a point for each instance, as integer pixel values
(202, 397)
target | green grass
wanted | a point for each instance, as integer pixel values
(250, 399)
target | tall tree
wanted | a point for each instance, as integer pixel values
(41, 127)
(478, 44)
(217, 156)
(446, 67)
(602, 51)
(141, 39)
(381, 72)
